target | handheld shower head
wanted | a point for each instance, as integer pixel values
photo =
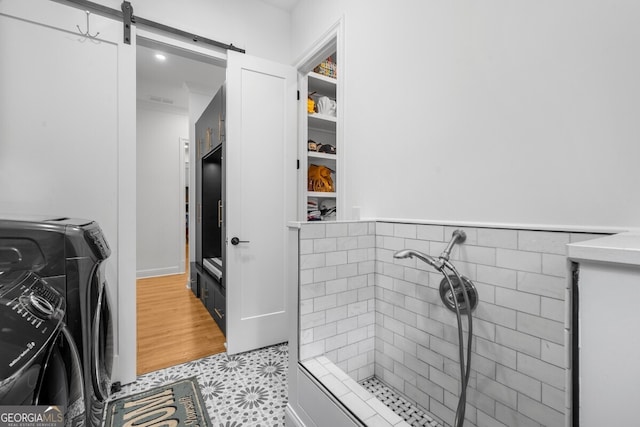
(410, 253)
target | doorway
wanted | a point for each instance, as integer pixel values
(173, 88)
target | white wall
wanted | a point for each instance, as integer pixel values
(501, 112)
(160, 219)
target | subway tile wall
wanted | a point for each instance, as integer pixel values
(337, 295)
(372, 314)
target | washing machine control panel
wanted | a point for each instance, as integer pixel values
(34, 302)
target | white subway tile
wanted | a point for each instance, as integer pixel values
(430, 232)
(311, 261)
(477, 254)
(552, 309)
(407, 231)
(346, 325)
(366, 267)
(312, 231)
(346, 243)
(324, 331)
(335, 286)
(346, 270)
(312, 290)
(497, 391)
(357, 255)
(305, 247)
(324, 302)
(554, 353)
(496, 314)
(335, 314)
(518, 341)
(357, 308)
(357, 335)
(366, 241)
(540, 284)
(358, 228)
(348, 297)
(539, 327)
(384, 228)
(306, 336)
(337, 230)
(519, 260)
(543, 241)
(520, 301)
(321, 274)
(336, 258)
(501, 354)
(312, 320)
(306, 277)
(324, 245)
(553, 397)
(555, 265)
(347, 352)
(543, 371)
(498, 238)
(503, 277)
(335, 342)
(519, 382)
(545, 415)
(311, 350)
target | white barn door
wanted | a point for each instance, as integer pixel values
(260, 198)
(67, 135)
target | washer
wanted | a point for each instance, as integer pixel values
(69, 253)
(39, 363)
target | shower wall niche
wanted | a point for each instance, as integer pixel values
(363, 313)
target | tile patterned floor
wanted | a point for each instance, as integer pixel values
(402, 407)
(243, 390)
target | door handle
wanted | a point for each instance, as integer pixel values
(235, 241)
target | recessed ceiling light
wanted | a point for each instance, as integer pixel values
(160, 57)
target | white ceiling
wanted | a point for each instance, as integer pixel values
(282, 4)
(163, 82)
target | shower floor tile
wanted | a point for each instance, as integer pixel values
(402, 407)
(243, 390)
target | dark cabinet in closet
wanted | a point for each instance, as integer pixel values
(208, 282)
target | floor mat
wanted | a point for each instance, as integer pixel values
(178, 403)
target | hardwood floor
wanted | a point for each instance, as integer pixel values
(173, 326)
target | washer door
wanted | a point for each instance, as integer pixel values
(102, 345)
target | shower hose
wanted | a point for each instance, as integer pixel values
(465, 365)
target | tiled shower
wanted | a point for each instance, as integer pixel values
(373, 315)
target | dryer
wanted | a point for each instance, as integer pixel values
(69, 253)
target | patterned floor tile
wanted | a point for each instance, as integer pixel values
(243, 390)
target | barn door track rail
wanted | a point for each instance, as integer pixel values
(128, 18)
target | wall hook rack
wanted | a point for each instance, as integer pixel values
(87, 33)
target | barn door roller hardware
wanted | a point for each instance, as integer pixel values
(128, 18)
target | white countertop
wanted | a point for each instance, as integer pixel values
(623, 248)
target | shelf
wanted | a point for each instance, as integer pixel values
(321, 194)
(317, 155)
(322, 122)
(323, 85)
